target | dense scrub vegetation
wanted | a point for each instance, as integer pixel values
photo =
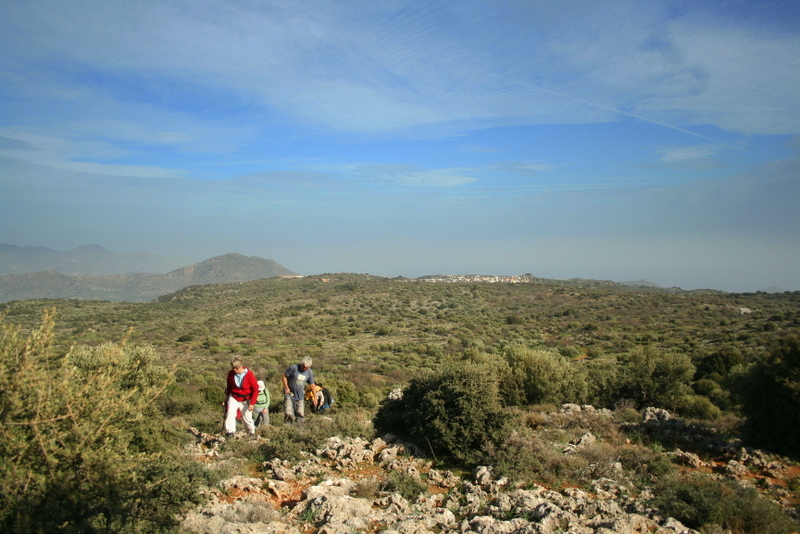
(472, 360)
(372, 333)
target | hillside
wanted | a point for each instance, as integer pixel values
(572, 444)
(376, 332)
(84, 260)
(137, 287)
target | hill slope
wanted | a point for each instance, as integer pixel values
(137, 287)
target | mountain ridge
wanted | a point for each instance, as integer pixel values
(137, 287)
(85, 259)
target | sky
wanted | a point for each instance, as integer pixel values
(616, 140)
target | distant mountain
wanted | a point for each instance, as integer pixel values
(640, 283)
(138, 287)
(772, 289)
(88, 259)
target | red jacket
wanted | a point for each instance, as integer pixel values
(249, 389)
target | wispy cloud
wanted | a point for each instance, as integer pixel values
(377, 66)
(685, 153)
(687, 158)
(414, 176)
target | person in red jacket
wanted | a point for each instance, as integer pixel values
(241, 395)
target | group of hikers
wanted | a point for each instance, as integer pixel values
(248, 398)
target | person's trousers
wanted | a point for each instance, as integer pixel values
(261, 417)
(294, 410)
(230, 416)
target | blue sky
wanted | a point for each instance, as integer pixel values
(618, 140)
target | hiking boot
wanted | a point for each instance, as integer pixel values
(229, 434)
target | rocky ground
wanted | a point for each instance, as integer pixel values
(337, 489)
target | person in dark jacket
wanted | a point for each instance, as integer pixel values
(241, 395)
(321, 398)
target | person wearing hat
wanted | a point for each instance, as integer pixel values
(261, 410)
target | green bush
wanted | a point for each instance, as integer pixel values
(601, 378)
(770, 397)
(526, 456)
(287, 442)
(698, 500)
(650, 377)
(82, 448)
(406, 485)
(515, 319)
(455, 412)
(539, 376)
(715, 392)
(697, 407)
(718, 365)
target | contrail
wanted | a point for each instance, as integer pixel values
(587, 102)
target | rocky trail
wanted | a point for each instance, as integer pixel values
(337, 490)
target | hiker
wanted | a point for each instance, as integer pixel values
(311, 397)
(324, 399)
(295, 379)
(261, 410)
(241, 395)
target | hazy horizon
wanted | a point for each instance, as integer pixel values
(620, 140)
(193, 261)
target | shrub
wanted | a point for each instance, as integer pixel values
(770, 396)
(366, 488)
(697, 407)
(714, 392)
(287, 442)
(601, 378)
(718, 364)
(660, 466)
(526, 457)
(542, 376)
(455, 412)
(406, 485)
(515, 319)
(99, 462)
(650, 377)
(698, 500)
